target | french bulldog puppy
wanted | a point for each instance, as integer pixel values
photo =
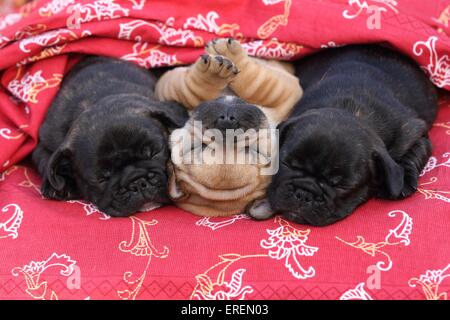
(105, 138)
(226, 89)
(360, 131)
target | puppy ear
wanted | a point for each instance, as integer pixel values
(285, 127)
(60, 182)
(171, 114)
(388, 173)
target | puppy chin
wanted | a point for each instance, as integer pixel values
(147, 207)
(306, 210)
(318, 219)
(317, 214)
(110, 211)
(115, 208)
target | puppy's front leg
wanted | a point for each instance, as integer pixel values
(204, 80)
(269, 84)
(413, 162)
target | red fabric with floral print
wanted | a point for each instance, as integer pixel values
(49, 249)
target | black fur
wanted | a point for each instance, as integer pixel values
(105, 136)
(360, 131)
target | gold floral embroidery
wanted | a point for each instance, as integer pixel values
(272, 49)
(54, 7)
(208, 23)
(7, 172)
(140, 245)
(30, 31)
(398, 235)
(206, 221)
(219, 289)
(28, 182)
(38, 288)
(430, 282)
(150, 56)
(271, 25)
(28, 86)
(445, 125)
(432, 193)
(168, 34)
(284, 243)
(230, 30)
(288, 243)
(44, 54)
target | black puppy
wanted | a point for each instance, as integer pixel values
(105, 138)
(360, 131)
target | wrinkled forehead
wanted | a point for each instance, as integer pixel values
(222, 101)
(323, 147)
(226, 102)
(131, 132)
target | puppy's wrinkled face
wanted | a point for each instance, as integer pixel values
(124, 170)
(115, 155)
(206, 166)
(329, 165)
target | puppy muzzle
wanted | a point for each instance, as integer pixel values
(306, 202)
(137, 189)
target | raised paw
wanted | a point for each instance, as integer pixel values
(217, 65)
(229, 48)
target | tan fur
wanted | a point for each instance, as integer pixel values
(226, 189)
(215, 189)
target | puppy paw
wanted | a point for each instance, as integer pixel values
(260, 210)
(413, 163)
(48, 192)
(217, 66)
(229, 48)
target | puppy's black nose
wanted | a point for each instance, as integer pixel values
(303, 196)
(140, 184)
(227, 120)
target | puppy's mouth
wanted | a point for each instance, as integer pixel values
(315, 211)
(138, 190)
(124, 209)
(304, 201)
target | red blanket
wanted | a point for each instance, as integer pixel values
(36, 41)
(52, 249)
